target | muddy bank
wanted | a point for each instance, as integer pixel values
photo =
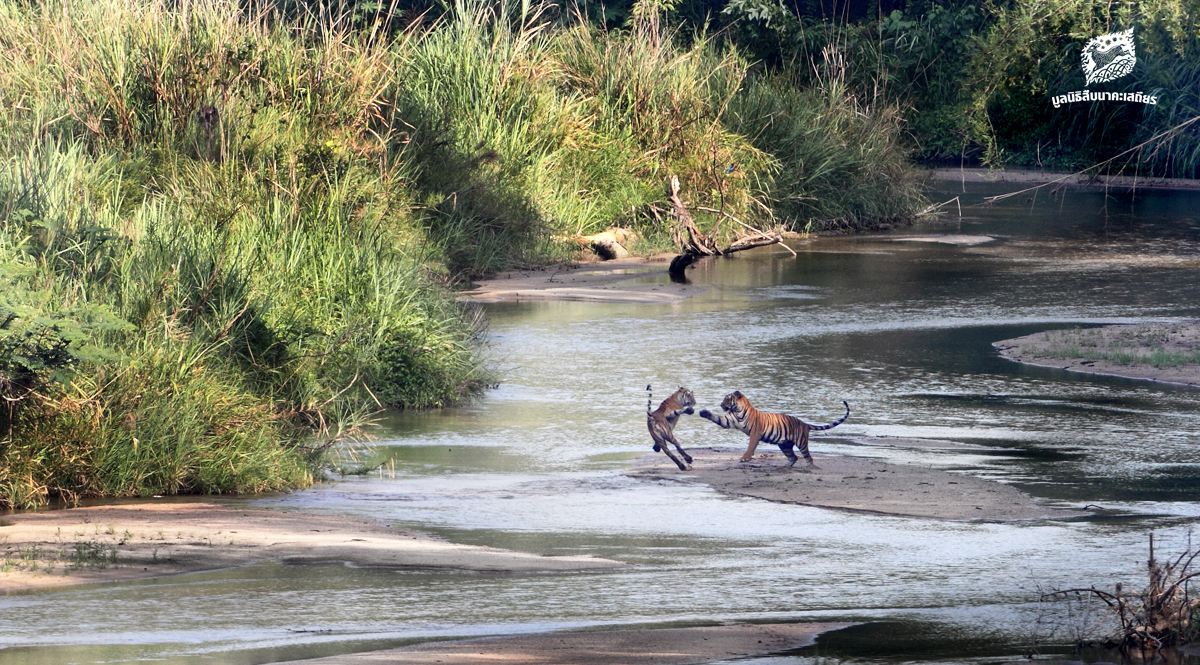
(853, 483)
(609, 281)
(665, 646)
(1022, 176)
(147, 539)
(1115, 351)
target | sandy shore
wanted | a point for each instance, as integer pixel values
(1094, 344)
(854, 483)
(150, 539)
(957, 239)
(1022, 176)
(664, 646)
(608, 281)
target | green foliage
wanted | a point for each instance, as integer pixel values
(209, 260)
(1033, 52)
(839, 165)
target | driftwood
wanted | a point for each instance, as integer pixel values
(696, 244)
(1162, 615)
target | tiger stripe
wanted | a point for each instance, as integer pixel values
(778, 428)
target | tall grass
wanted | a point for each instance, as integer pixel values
(525, 127)
(210, 261)
(840, 165)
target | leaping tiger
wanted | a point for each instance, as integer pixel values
(661, 422)
(778, 428)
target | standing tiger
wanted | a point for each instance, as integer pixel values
(778, 428)
(661, 422)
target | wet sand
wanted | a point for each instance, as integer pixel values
(1140, 340)
(151, 539)
(856, 484)
(957, 239)
(608, 281)
(663, 646)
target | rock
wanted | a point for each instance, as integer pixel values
(610, 244)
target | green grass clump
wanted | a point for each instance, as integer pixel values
(838, 165)
(525, 128)
(209, 263)
(1159, 358)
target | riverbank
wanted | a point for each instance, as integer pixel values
(857, 484)
(1088, 180)
(1163, 352)
(616, 281)
(663, 646)
(169, 537)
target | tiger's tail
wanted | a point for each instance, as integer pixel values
(649, 399)
(836, 422)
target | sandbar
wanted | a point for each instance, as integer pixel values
(1084, 180)
(1106, 350)
(649, 646)
(616, 281)
(857, 484)
(957, 239)
(152, 538)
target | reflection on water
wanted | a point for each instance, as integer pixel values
(901, 330)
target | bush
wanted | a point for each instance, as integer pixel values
(202, 275)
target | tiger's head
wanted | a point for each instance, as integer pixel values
(684, 397)
(735, 403)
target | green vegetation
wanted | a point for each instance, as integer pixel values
(209, 270)
(974, 81)
(230, 230)
(1158, 345)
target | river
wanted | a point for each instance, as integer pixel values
(902, 330)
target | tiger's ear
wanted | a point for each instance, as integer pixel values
(737, 394)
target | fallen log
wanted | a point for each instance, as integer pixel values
(698, 244)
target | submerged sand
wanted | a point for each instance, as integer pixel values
(1046, 349)
(664, 646)
(614, 281)
(854, 483)
(957, 239)
(148, 539)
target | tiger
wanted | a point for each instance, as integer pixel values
(778, 428)
(661, 422)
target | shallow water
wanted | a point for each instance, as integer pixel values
(901, 330)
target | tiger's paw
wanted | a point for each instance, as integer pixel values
(689, 411)
(656, 448)
(705, 413)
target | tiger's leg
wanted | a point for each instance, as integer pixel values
(749, 454)
(786, 447)
(803, 445)
(666, 449)
(720, 421)
(672, 439)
